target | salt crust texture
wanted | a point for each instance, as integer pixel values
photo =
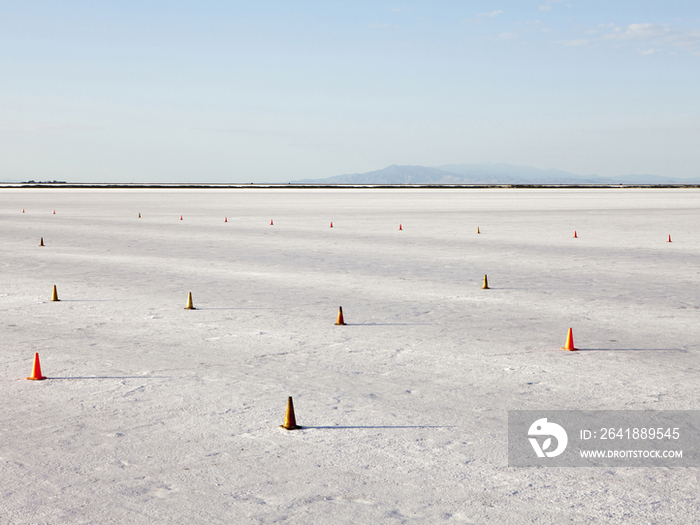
(156, 414)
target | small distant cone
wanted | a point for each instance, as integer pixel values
(180, 217)
(331, 224)
(486, 284)
(477, 230)
(189, 306)
(139, 215)
(669, 238)
(575, 235)
(54, 295)
(400, 227)
(569, 342)
(41, 242)
(54, 212)
(271, 223)
(340, 320)
(22, 210)
(290, 421)
(36, 370)
(225, 219)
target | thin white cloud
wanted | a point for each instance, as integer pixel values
(491, 14)
(648, 38)
(689, 40)
(548, 5)
(640, 31)
(479, 19)
(645, 38)
(577, 42)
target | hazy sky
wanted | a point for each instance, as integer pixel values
(261, 91)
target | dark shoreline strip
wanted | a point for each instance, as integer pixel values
(189, 186)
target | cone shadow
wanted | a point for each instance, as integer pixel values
(633, 350)
(234, 308)
(111, 377)
(92, 300)
(388, 324)
(378, 426)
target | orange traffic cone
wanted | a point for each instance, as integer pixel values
(569, 342)
(36, 370)
(189, 306)
(340, 320)
(225, 219)
(477, 230)
(271, 223)
(331, 224)
(669, 238)
(290, 421)
(54, 212)
(41, 241)
(54, 295)
(180, 217)
(400, 227)
(575, 235)
(22, 210)
(486, 284)
(139, 215)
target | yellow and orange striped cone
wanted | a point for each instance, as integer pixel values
(485, 286)
(36, 370)
(569, 342)
(290, 420)
(54, 295)
(189, 306)
(340, 320)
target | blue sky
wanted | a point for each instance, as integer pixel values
(180, 91)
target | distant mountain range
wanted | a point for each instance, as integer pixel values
(486, 173)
